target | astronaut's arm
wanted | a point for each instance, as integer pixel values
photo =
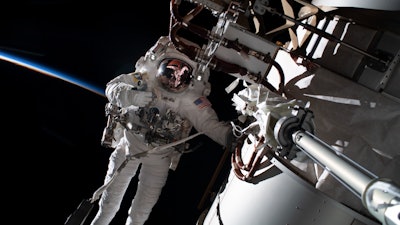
(206, 120)
(123, 92)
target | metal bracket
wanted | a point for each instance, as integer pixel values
(380, 65)
(302, 119)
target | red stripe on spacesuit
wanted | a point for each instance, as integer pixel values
(202, 102)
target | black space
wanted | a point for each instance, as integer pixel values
(53, 158)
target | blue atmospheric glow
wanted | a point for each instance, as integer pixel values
(50, 72)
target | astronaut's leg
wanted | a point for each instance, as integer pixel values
(152, 178)
(111, 198)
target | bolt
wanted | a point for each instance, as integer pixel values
(298, 137)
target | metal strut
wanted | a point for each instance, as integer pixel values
(327, 36)
(379, 195)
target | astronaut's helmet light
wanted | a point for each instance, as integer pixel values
(174, 75)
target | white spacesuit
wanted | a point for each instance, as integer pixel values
(161, 102)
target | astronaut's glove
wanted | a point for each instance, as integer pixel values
(141, 98)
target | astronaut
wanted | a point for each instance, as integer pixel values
(161, 102)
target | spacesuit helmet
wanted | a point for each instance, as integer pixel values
(174, 75)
